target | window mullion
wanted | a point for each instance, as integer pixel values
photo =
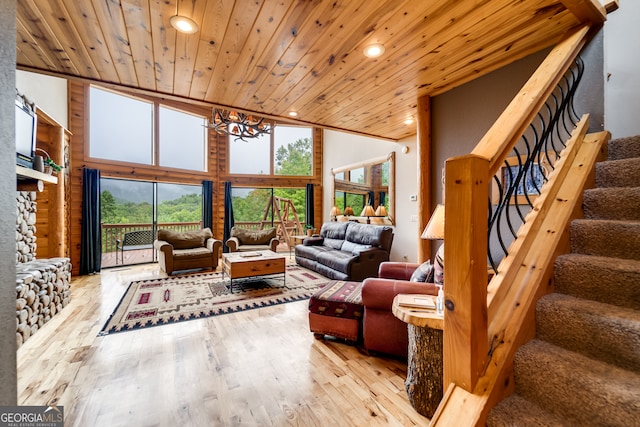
(156, 134)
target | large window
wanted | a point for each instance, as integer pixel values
(122, 129)
(128, 207)
(182, 140)
(250, 157)
(291, 147)
(266, 207)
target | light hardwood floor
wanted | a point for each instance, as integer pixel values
(258, 367)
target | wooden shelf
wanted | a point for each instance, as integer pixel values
(26, 173)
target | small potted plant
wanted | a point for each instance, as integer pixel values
(54, 168)
(309, 229)
(50, 167)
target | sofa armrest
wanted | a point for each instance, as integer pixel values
(397, 270)
(233, 244)
(379, 293)
(366, 263)
(313, 241)
(164, 247)
(273, 244)
(164, 252)
(214, 245)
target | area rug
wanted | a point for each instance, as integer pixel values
(163, 301)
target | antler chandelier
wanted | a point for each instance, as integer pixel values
(240, 125)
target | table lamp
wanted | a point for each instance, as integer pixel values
(381, 211)
(435, 227)
(334, 213)
(368, 212)
(348, 211)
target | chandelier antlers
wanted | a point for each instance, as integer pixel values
(240, 125)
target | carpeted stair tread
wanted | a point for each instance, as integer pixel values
(579, 389)
(624, 148)
(604, 279)
(516, 411)
(618, 173)
(601, 331)
(621, 203)
(611, 238)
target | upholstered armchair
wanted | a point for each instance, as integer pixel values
(381, 330)
(244, 239)
(187, 250)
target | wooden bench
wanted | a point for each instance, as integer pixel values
(134, 240)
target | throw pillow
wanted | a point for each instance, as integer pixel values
(185, 239)
(438, 267)
(253, 237)
(422, 273)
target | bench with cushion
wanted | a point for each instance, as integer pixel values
(187, 250)
(133, 241)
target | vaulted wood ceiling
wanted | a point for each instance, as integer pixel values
(274, 56)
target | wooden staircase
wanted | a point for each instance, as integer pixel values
(583, 367)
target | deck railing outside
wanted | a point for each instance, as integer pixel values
(113, 232)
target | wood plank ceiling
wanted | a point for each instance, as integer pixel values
(275, 56)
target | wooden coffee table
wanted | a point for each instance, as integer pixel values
(243, 265)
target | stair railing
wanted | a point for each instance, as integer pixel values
(510, 167)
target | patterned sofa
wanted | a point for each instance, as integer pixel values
(346, 250)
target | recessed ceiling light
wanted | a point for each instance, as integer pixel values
(408, 121)
(373, 50)
(183, 24)
(293, 113)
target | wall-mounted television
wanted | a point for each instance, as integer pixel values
(26, 124)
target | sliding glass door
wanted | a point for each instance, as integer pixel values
(132, 211)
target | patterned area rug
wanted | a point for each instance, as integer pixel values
(175, 299)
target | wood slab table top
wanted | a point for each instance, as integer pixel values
(425, 318)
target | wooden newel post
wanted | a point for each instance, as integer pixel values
(465, 282)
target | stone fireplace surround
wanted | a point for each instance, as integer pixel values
(43, 286)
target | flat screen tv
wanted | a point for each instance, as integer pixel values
(26, 123)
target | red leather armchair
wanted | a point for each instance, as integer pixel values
(381, 330)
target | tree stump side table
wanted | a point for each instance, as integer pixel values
(424, 382)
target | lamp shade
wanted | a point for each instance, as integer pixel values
(348, 211)
(368, 211)
(435, 227)
(381, 211)
(335, 211)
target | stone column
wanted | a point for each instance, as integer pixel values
(8, 382)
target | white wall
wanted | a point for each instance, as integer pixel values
(49, 93)
(342, 149)
(622, 66)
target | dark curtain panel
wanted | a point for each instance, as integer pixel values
(228, 215)
(308, 208)
(382, 197)
(207, 204)
(91, 241)
(371, 198)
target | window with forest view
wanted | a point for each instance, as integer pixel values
(121, 128)
(127, 206)
(292, 153)
(353, 200)
(257, 207)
